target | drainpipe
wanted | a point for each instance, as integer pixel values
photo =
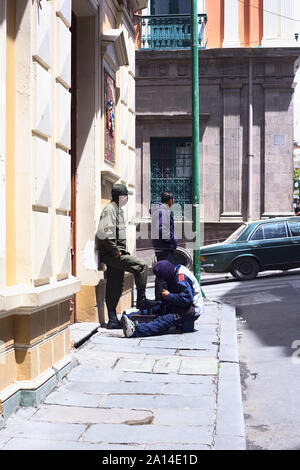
(250, 143)
(195, 118)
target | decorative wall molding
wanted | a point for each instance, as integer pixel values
(117, 38)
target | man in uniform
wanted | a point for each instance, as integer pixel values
(111, 244)
(182, 303)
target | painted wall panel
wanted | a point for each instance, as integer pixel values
(42, 172)
(124, 123)
(43, 32)
(63, 53)
(63, 116)
(63, 180)
(131, 119)
(42, 102)
(42, 255)
(63, 253)
(64, 10)
(131, 101)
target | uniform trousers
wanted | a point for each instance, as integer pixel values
(168, 323)
(116, 267)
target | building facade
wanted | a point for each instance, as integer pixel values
(67, 132)
(246, 87)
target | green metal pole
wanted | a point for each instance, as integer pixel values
(196, 158)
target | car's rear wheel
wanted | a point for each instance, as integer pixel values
(245, 269)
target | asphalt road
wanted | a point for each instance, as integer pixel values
(268, 322)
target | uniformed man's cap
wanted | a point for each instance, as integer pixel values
(120, 190)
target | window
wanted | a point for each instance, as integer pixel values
(235, 235)
(171, 170)
(294, 228)
(275, 230)
(258, 234)
(170, 7)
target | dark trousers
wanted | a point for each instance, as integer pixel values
(116, 267)
(163, 324)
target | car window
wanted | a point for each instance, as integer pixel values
(258, 234)
(276, 230)
(235, 235)
(294, 228)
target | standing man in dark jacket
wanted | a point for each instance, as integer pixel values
(163, 236)
(111, 244)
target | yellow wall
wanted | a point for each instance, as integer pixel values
(10, 145)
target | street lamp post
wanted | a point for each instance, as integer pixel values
(195, 118)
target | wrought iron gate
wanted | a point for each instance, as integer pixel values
(171, 170)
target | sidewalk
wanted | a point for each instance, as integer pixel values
(166, 392)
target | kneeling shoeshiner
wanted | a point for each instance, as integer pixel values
(182, 304)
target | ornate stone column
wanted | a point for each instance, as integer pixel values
(231, 24)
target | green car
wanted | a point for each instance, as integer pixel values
(255, 246)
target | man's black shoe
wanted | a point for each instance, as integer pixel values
(113, 322)
(111, 325)
(142, 303)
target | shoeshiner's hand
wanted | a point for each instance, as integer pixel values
(164, 293)
(118, 255)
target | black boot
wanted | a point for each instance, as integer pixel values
(142, 303)
(113, 322)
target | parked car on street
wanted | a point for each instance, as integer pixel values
(255, 246)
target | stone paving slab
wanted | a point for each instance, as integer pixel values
(66, 397)
(103, 337)
(85, 373)
(177, 344)
(179, 447)
(115, 387)
(194, 417)
(205, 366)
(166, 378)
(80, 415)
(3, 441)
(211, 351)
(167, 366)
(123, 434)
(148, 402)
(133, 349)
(229, 443)
(102, 361)
(186, 390)
(145, 364)
(42, 430)
(41, 444)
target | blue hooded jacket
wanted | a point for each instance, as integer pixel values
(184, 296)
(162, 228)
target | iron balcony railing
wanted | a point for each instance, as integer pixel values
(169, 31)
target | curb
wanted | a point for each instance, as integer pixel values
(230, 427)
(82, 332)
